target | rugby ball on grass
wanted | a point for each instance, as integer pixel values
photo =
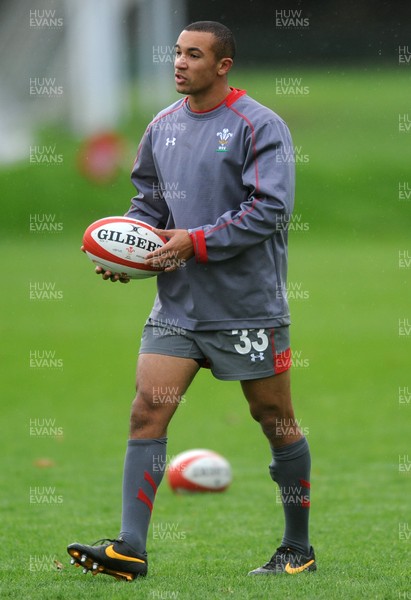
(199, 471)
(121, 244)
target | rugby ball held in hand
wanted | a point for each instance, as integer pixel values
(121, 244)
(199, 471)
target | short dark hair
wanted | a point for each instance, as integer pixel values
(224, 46)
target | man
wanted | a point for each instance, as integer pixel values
(221, 298)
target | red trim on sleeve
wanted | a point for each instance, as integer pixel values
(200, 248)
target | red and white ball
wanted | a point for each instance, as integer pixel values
(199, 471)
(121, 244)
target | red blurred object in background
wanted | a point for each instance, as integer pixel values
(101, 156)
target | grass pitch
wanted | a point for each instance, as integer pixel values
(348, 294)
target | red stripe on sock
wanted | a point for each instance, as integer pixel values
(144, 498)
(150, 480)
(305, 483)
(305, 504)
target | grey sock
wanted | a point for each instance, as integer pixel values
(144, 468)
(290, 468)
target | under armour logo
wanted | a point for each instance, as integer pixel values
(171, 141)
(254, 357)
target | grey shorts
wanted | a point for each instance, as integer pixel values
(235, 354)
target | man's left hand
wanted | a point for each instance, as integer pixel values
(174, 253)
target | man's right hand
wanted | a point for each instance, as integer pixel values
(109, 275)
(113, 277)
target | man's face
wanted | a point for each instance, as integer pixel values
(195, 64)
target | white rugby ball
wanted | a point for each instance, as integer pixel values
(199, 470)
(121, 244)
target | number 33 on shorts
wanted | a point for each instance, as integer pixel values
(250, 339)
(266, 349)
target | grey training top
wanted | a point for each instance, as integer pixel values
(226, 175)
